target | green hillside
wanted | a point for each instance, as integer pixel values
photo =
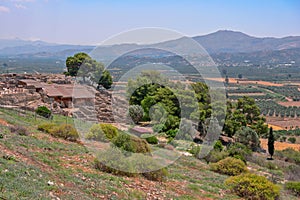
(35, 165)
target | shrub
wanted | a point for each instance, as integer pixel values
(186, 130)
(172, 133)
(102, 132)
(195, 150)
(151, 139)
(218, 146)
(215, 156)
(294, 187)
(46, 127)
(109, 130)
(43, 111)
(229, 166)
(240, 151)
(149, 167)
(114, 161)
(21, 130)
(156, 175)
(1, 136)
(131, 143)
(292, 172)
(289, 155)
(136, 113)
(253, 187)
(248, 137)
(65, 131)
(263, 162)
(157, 128)
(292, 140)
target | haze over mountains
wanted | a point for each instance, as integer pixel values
(238, 42)
(221, 44)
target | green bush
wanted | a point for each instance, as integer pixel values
(157, 128)
(186, 130)
(248, 137)
(43, 111)
(172, 133)
(215, 156)
(229, 166)
(240, 151)
(218, 146)
(253, 187)
(195, 150)
(292, 140)
(151, 139)
(136, 113)
(46, 127)
(109, 130)
(294, 187)
(156, 175)
(114, 161)
(65, 131)
(102, 132)
(289, 155)
(131, 143)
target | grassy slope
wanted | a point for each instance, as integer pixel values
(27, 163)
(31, 161)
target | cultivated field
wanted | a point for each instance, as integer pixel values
(290, 103)
(279, 145)
(245, 82)
(284, 123)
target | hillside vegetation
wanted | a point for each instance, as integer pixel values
(37, 165)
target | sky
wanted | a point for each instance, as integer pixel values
(92, 21)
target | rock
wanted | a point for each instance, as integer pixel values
(50, 183)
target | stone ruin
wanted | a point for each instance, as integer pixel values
(29, 97)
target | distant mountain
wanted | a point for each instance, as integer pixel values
(4, 43)
(17, 47)
(223, 46)
(238, 42)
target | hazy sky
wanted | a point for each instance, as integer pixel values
(92, 21)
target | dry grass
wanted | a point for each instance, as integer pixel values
(275, 128)
(279, 145)
(284, 123)
(246, 82)
(290, 103)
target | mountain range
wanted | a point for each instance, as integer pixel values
(223, 41)
(221, 45)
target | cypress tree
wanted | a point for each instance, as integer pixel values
(271, 141)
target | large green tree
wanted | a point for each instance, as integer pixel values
(248, 137)
(244, 113)
(83, 66)
(105, 80)
(172, 100)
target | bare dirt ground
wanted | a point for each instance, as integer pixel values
(247, 94)
(290, 103)
(242, 81)
(284, 123)
(3, 122)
